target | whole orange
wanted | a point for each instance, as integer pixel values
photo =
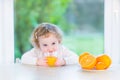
(105, 59)
(100, 66)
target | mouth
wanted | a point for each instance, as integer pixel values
(51, 53)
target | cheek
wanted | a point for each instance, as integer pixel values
(55, 47)
(43, 49)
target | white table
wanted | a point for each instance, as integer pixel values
(71, 72)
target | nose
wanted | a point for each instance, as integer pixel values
(50, 50)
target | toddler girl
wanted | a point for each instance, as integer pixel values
(46, 40)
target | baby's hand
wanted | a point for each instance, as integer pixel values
(41, 62)
(60, 62)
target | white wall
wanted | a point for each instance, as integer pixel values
(6, 32)
(112, 29)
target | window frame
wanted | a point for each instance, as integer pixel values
(112, 29)
(6, 31)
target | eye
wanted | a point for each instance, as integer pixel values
(44, 44)
(53, 43)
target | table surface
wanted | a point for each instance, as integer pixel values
(70, 72)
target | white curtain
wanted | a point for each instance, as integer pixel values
(112, 29)
(6, 32)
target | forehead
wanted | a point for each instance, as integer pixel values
(48, 35)
(47, 38)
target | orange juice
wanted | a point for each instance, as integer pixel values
(51, 60)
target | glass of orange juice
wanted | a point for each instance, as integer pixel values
(51, 59)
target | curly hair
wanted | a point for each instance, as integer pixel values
(43, 30)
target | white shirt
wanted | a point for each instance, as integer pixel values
(31, 56)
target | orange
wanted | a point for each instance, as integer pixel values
(83, 54)
(105, 59)
(87, 62)
(51, 60)
(100, 66)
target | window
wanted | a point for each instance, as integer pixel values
(81, 19)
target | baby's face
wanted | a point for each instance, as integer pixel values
(48, 44)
